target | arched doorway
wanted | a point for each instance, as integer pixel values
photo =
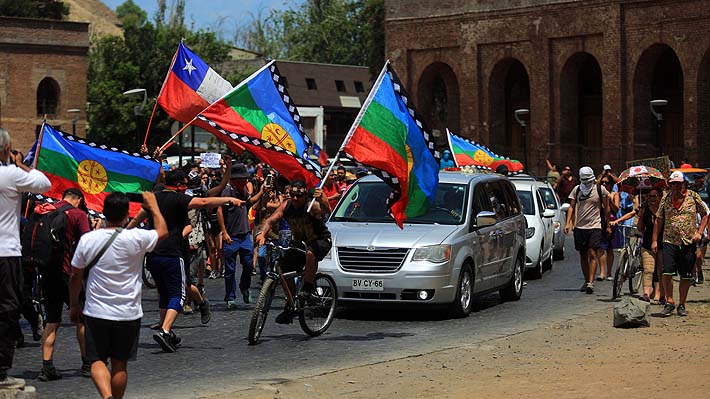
(47, 97)
(704, 110)
(438, 98)
(658, 76)
(509, 89)
(581, 104)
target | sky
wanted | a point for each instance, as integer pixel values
(222, 16)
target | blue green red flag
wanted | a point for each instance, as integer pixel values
(467, 152)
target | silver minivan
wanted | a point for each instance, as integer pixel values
(470, 242)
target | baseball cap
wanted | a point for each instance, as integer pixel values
(676, 177)
(586, 174)
(607, 167)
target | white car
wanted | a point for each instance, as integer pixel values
(540, 230)
(552, 202)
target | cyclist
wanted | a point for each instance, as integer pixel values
(307, 227)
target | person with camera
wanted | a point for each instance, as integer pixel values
(267, 204)
(306, 227)
(236, 234)
(165, 262)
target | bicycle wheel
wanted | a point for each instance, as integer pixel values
(261, 309)
(148, 280)
(635, 274)
(620, 274)
(318, 311)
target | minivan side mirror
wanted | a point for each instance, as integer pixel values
(549, 213)
(485, 218)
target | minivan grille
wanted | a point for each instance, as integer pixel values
(375, 261)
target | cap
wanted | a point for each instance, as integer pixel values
(607, 167)
(73, 191)
(586, 174)
(567, 168)
(676, 177)
(239, 171)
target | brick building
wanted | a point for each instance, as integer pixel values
(43, 71)
(586, 70)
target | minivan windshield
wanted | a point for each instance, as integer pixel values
(366, 202)
(526, 200)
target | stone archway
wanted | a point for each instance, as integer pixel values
(658, 76)
(438, 99)
(509, 89)
(581, 105)
(704, 108)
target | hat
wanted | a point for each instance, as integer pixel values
(239, 171)
(586, 174)
(607, 167)
(73, 191)
(676, 176)
(567, 168)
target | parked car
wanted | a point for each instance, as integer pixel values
(539, 232)
(552, 201)
(470, 242)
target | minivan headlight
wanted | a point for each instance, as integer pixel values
(529, 232)
(433, 253)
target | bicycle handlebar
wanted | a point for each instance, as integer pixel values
(271, 244)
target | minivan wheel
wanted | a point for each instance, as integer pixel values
(514, 290)
(463, 302)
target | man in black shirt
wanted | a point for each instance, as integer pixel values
(165, 263)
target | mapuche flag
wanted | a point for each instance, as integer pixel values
(467, 152)
(259, 115)
(389, 136)
(96, 170)
(190, 86)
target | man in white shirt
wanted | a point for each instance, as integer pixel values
(15, 178)
(112, 312)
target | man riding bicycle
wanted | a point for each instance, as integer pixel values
(306, 227)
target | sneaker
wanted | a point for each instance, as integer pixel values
(49, 374)
(86, 369)
(645, 298)
(246, 295)
(20, 341)
(601, 278)
(164, 340)
(668, 309)
(589, 289)
(174, 338)
(212, 275)
(681, 311)
(609, 278)
(205, 312)
(231, 305)
(662, 301)
(583, 288)
(12, 383)
(700, 279)
(187, 309)
(285, 317)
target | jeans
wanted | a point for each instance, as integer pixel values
(243, 248)
(264, 264)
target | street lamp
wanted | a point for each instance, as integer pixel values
(76, 112)
(656, 106)
(519, 115)
(138, 109)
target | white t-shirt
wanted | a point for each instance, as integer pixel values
(13, 182)
(113, 289)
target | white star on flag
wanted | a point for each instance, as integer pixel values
(189, 67)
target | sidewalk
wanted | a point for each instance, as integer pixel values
(581, 358)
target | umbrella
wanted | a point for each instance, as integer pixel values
(690, 170)
(640, 177)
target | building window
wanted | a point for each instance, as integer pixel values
(47, 97)
(359, 87)
(311, 84)
(340, 85)
(284, 81)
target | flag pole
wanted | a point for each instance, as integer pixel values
(451, 148)
(354, 126)
(168, 143)
(39, 144)
(150, 121)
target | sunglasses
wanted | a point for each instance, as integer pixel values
(652, 196)
(294, 194)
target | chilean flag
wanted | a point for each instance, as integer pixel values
(191, 86)
(320, 154)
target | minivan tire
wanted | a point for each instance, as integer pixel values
(514, 290)
(463, 301)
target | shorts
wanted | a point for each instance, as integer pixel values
(195, 258)
(169, 275)
(585, 239)
(111, 339)
(320, 248)
(55, 288)
(678, 260)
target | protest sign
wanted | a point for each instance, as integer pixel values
(210, 160)
(663, 164)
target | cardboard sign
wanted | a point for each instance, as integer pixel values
(663, 164)
(210, 160)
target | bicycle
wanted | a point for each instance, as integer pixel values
(315, 314)
(629, 266)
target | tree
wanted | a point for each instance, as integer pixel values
(44, 9)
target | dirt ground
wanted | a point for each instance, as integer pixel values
(581, 358)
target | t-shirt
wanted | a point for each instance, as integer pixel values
(173, 206)
(588, 208)
(77, 226)
(113, 289)
(680, 223)
(565, 187)
(236, 220)
(13, 182)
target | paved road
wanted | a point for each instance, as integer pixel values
(216, 358)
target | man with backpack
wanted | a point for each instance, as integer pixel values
(587, 202)
(69, 223)
(15, 178)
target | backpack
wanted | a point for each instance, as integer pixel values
(44, 235)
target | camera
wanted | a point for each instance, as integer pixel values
(269, 182)
(135, 197)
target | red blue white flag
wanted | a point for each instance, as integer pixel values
(190, 86)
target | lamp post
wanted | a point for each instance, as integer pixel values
(656, 106)
(138, 109)
(75, 112)
(519, 115)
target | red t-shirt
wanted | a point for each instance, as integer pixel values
(77, 225)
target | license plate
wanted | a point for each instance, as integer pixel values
(364, 284)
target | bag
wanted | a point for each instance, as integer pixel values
(631, 313)
(90, 265)
(44, 235)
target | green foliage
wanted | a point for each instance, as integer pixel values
(44, 9)
(140, 59)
